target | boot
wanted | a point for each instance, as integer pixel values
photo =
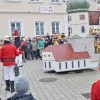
(12, 86)
(7, 85)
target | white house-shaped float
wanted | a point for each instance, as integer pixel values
(63, 58)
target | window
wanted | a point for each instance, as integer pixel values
(56, 1)
(49, 64)
(69, 31)
(48, 55)
(39, 26)
(84, 63)
(78, 63)
(45, 64)
(83, 29)
(16, 26)
(94, 0)
(66, 65)
(69, 18)
(72, 64)
(13, 0)
(36, 0)
(60, 66)
(82, 17)
(55, 27)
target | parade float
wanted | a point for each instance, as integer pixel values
(79, 53)
(62, 58)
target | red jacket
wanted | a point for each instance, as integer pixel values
(0, 52)
(95, 91)
(20, 48)
(8, 54)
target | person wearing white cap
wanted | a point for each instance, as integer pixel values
(8, 55)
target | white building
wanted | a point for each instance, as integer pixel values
(33, 17)
(79, 18)
(63, 58)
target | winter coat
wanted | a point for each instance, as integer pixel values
(8, 54)
(51, 42)
(48, 37)
(34, 46)
(41, 44)
(28, 47)
(95, 91)
(22, 97)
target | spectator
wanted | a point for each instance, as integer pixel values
(46, 43)
(47, 36)
(51, 40)
(56, 42)
(34, 48)
(23, 48)
(41, 44)
(28, 48)
(29, 39)
(22, 89)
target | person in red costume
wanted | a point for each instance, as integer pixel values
(95, 91)
(18, 45)
(8, 55)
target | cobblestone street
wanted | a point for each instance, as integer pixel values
(54, 86)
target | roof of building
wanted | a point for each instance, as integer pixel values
(78, 6)
(76, 36)
(64, 52)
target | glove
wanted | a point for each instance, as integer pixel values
(18, 50)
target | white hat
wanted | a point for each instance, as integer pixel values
(6, 38)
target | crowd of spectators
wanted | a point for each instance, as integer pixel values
(34, 46)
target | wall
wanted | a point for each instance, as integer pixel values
(85, 44)
(28, 12)
(89, 64)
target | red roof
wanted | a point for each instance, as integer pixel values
(64, 52)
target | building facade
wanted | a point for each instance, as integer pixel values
(79, 16)
(33, 17)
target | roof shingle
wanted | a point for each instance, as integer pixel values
(64, 52)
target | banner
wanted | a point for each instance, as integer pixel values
(94, 17)
(46, 9)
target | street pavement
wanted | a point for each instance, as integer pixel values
(54, 86)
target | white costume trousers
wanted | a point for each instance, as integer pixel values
(9, 73)
(19, 60)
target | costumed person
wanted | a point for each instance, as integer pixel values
(23, 41)
(1, 44)
(22, 89)
(8, 55)
(18, 45)
(95, 90)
